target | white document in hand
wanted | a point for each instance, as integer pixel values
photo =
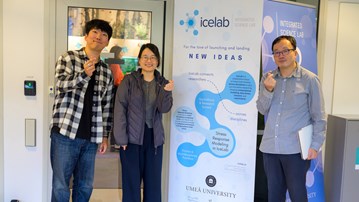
(305, 139)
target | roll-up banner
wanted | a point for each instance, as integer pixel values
(299, 21)
(216, 64)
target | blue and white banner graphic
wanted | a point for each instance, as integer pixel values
(290, 19)
(216, 63)
(299, 21)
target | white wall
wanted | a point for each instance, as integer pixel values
(327, 58)
(26, 42)
(346, 95)
(25, 169)
(1, 108)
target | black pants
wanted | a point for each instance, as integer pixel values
(142, 163)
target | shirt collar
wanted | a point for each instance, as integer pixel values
(84, 56)
(296, 73)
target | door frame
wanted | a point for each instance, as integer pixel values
(162, 15)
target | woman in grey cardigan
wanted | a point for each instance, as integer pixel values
(141, 99)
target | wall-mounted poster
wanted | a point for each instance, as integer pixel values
(131, 29)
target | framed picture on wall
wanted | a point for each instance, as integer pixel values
(131, 29)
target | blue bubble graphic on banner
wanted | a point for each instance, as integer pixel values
(240, 88)
(218, 139)
(187, 154)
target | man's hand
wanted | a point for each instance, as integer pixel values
(312, 154)
(269, 82)
(90, 67)
(103, 145)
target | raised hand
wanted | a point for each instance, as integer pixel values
(269, 82)
(169, 86)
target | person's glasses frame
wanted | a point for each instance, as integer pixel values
(283, 52)
(151, 58)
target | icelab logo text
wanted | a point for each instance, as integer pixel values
(215, 22)
(204, 22)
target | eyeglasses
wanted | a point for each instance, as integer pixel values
(283, 52)
(151, 58)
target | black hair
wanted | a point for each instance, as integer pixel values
(153, 48)
(289, 38)
(116, 50)
(99, 24)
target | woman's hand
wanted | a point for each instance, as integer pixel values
(169, 86)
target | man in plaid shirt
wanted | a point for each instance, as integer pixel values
(82, 114)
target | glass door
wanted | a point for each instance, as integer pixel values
(134, 23)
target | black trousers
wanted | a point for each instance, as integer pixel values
(142, 163)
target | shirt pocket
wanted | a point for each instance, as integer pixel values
(102, 88)
(300, 94)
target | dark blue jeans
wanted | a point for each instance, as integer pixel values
(142, 163)
(72, 157)
(286, 171)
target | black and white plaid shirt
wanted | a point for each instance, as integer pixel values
(71, 85)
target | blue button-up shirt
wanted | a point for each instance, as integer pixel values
(296, 102)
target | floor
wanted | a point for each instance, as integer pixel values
(107, 171)
(106, 195)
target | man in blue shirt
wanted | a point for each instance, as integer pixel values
(291, 98)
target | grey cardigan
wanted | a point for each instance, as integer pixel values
(129, 111)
